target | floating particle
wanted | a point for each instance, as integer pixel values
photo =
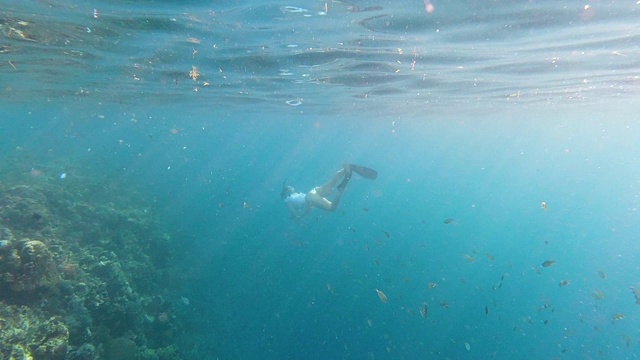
(293, 102)
(63, 176)
(194, 73)
(543, 205)
(548, 263)
(292, 9)
(382, 296)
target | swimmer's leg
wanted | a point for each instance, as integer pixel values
(325, 189)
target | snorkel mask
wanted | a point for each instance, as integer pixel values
(286, 190)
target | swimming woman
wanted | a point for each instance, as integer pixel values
(300, 203)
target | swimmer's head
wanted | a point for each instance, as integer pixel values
(286, 191)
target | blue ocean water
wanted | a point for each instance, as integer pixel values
(473, 114)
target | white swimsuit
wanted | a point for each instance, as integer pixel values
(298, 203)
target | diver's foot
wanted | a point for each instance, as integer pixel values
(347, 171)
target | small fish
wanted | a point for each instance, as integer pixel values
(330, 288)
(636, 293)
(382, 296)
(486, 309)
(444, 304)
(616, 317)
(431, 285)
(563, 283)
(548, 263)
(598, 295)
(467, 346)
(365, 209)
(469, 258)
(387, 234)
(601, 274)
(424, 310)
(490, 257)
(449, 221)
(543, 205)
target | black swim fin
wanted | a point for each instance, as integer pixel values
(365, 172)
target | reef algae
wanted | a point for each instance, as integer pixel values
(29, 334)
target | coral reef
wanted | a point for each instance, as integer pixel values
(82, 279)
(24, 208)
(30, 334)
(26, 265)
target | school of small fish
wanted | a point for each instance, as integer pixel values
(546, 308)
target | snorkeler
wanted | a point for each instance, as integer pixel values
(300, 204)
